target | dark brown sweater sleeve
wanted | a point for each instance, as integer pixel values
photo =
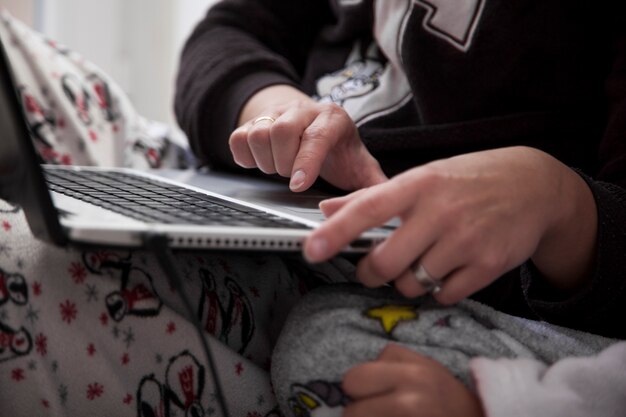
(240, 47)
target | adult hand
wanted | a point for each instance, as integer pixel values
(468, 220)
(286, 132)
(402, 383)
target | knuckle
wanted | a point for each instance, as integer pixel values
(317, 132)
(369, 207)
(445, 298)
(283, 169)
(406, 403)
(258, 138)
(332, 108)
(299, 103)
(280, 129)
(381, 269)
(237, 138)
(430, 178)
(493, 263)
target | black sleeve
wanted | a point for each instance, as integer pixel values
(601, 306)
(240, 47)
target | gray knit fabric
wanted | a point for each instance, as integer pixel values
(338, 326)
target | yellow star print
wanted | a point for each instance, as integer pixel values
(390, 315)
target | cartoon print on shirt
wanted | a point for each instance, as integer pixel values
(226, 311)
(136, 296)
(317, 399)
(368, 91)
(357, 79)
(182, 390)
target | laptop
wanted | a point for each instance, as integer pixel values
(120, 207)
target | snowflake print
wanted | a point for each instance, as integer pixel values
(41, 344)
(77, 272)
(5, 250)
(129, 337)
(32, 315)
(63, 392)
(128, 399)
(36, 288)
(104, 319)
(45, 403)
(6, 226)
(238, 368)
(92, 293)
(125, 359)
(17, 374)
(91, 349)
(68, 311)
(171, 327)
(93, 136)
(94, 391)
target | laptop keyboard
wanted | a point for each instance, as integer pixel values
(156, 201)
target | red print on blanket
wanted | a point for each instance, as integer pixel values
(43, 124)
(78, 95)
(136, 296)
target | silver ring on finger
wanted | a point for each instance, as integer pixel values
(263, 118)
(430, 284)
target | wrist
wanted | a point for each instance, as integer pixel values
(566, 252)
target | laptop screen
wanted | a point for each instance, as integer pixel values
(21, 178)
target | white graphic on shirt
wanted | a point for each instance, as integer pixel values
(368, 87)
(365, 88)
(349, 2)
(453, 21)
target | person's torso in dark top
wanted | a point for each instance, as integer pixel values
(442, 78)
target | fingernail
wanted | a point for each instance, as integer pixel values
(316, 249)
(297, 180)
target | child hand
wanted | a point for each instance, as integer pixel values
(402, 383)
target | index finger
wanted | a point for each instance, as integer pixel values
(371, 208)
